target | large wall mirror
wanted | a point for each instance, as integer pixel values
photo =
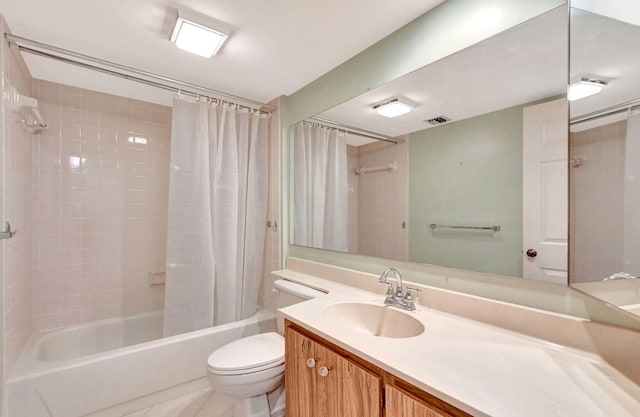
(605, 152)
(474, 176)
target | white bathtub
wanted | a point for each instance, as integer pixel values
(101, 336)
(81, 370)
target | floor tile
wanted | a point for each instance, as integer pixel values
(184, 406)
(218, 405)
(141, 413)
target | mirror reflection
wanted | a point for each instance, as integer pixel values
(604, 149)
(444, 183)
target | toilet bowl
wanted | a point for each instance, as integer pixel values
(249, 368)
(246, 370)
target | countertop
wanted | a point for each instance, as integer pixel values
(482, 369)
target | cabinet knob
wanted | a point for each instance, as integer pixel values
(311, 362)
(323, 371)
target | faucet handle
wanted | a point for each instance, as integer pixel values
(407, 294)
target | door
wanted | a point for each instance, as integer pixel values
(545, 191)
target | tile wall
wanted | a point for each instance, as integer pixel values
(272, 255)
(16, 208)
(383, 202)
(352, 206)
(100, 189)
(596, 196)
(89, 199)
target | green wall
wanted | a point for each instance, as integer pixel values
(468, 173)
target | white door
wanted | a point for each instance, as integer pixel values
(545, 191)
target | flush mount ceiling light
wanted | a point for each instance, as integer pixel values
(584, 88)
(198, 35)
(392, 108)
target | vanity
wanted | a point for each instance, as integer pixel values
(344, 357)
(330, 381)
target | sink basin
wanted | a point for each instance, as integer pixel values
(375, 320)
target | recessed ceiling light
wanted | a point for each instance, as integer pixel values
(392, 108)
(584, 88)
(197, 35)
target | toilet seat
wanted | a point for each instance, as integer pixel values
(248, 355)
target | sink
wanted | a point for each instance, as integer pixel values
(372, 319)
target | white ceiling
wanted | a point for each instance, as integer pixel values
(525, 63)
(606, 49)
(276, 47)
(622, 10)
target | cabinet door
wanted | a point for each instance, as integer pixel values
(400, 404)
(333, 387)
(300, 381)
(361, 391)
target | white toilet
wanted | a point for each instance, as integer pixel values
(249, 368)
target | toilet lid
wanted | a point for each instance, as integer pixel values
(261, 351)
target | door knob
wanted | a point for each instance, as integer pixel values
(531, 253)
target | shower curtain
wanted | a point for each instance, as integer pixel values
(320, 187)
(217, 214)
(632, 197)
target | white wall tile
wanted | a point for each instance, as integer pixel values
(596, 188)
(93, 185)
(382, 202)
(17, 205)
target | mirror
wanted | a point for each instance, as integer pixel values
(450, 192)
(604, 147)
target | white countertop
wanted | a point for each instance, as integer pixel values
(481, 369)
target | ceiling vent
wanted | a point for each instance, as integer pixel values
(438, 120)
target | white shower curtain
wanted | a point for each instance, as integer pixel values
(320, 185)
(632, 197)
(217, 215)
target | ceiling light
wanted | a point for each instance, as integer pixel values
(196, 35)
(392, 108)
(584, 88)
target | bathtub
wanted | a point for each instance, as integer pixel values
(81, 370)
(89, 339)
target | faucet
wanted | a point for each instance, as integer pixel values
(397, 298)
(383, 280)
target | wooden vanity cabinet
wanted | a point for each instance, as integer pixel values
(322, 383)
(402, 404)
(324, 380)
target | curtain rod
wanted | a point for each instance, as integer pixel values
(352, 130)
(143, 77)
(609, 111)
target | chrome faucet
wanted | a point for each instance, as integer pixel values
(397, 298)
(383, 280)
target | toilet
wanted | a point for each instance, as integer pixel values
(250, 368)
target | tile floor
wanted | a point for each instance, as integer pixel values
(201, 403)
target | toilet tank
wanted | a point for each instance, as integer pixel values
(289, 293)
